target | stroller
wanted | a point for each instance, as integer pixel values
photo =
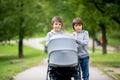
(62, 58)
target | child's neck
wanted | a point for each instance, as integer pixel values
(79, 31)
(57, 31)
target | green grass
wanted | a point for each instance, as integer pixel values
(10, 52)
(114, 38)
(113, 42)
(117, 76)
(111, 59)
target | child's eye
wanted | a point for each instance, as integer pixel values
(59, 24)
(55, 23)
(76, 25)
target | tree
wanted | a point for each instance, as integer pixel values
(108, 8)
(103, 14)
(19, 19)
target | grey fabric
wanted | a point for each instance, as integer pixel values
(82, 41)
(62, 42)
(63, 58)
(51, 34)
(62, 51)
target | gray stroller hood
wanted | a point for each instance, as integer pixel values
(62, 50)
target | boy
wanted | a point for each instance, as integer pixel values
(82, 38)
(57, 24)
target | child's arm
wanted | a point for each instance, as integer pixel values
(85, 39)
(47, 38)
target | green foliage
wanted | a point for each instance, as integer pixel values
(27, 18)
(114, 39)
(115, 35)
(36, 15)
(20, 17)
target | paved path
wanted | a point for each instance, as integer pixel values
(35, 43)
(39, 72)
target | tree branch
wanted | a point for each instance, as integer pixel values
(97, 6)
(116, 20)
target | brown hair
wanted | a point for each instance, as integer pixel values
(77, 21)
(58, 19)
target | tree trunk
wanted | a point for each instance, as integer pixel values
(21, 55)
(104, 39)
(93, 44)
(93, 49)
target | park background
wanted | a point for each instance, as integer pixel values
(25, 19)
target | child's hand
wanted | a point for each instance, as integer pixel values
(76, 39)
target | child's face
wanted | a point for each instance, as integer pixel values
(57, 26)
(78, 28)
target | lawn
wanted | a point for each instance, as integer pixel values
(114, 39)
(10, 52)
(110, 60)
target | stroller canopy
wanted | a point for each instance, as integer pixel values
(62, 50)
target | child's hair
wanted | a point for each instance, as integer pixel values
(58, 19)
(77, 21)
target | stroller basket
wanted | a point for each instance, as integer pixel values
(63, 58)
(62, 50)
